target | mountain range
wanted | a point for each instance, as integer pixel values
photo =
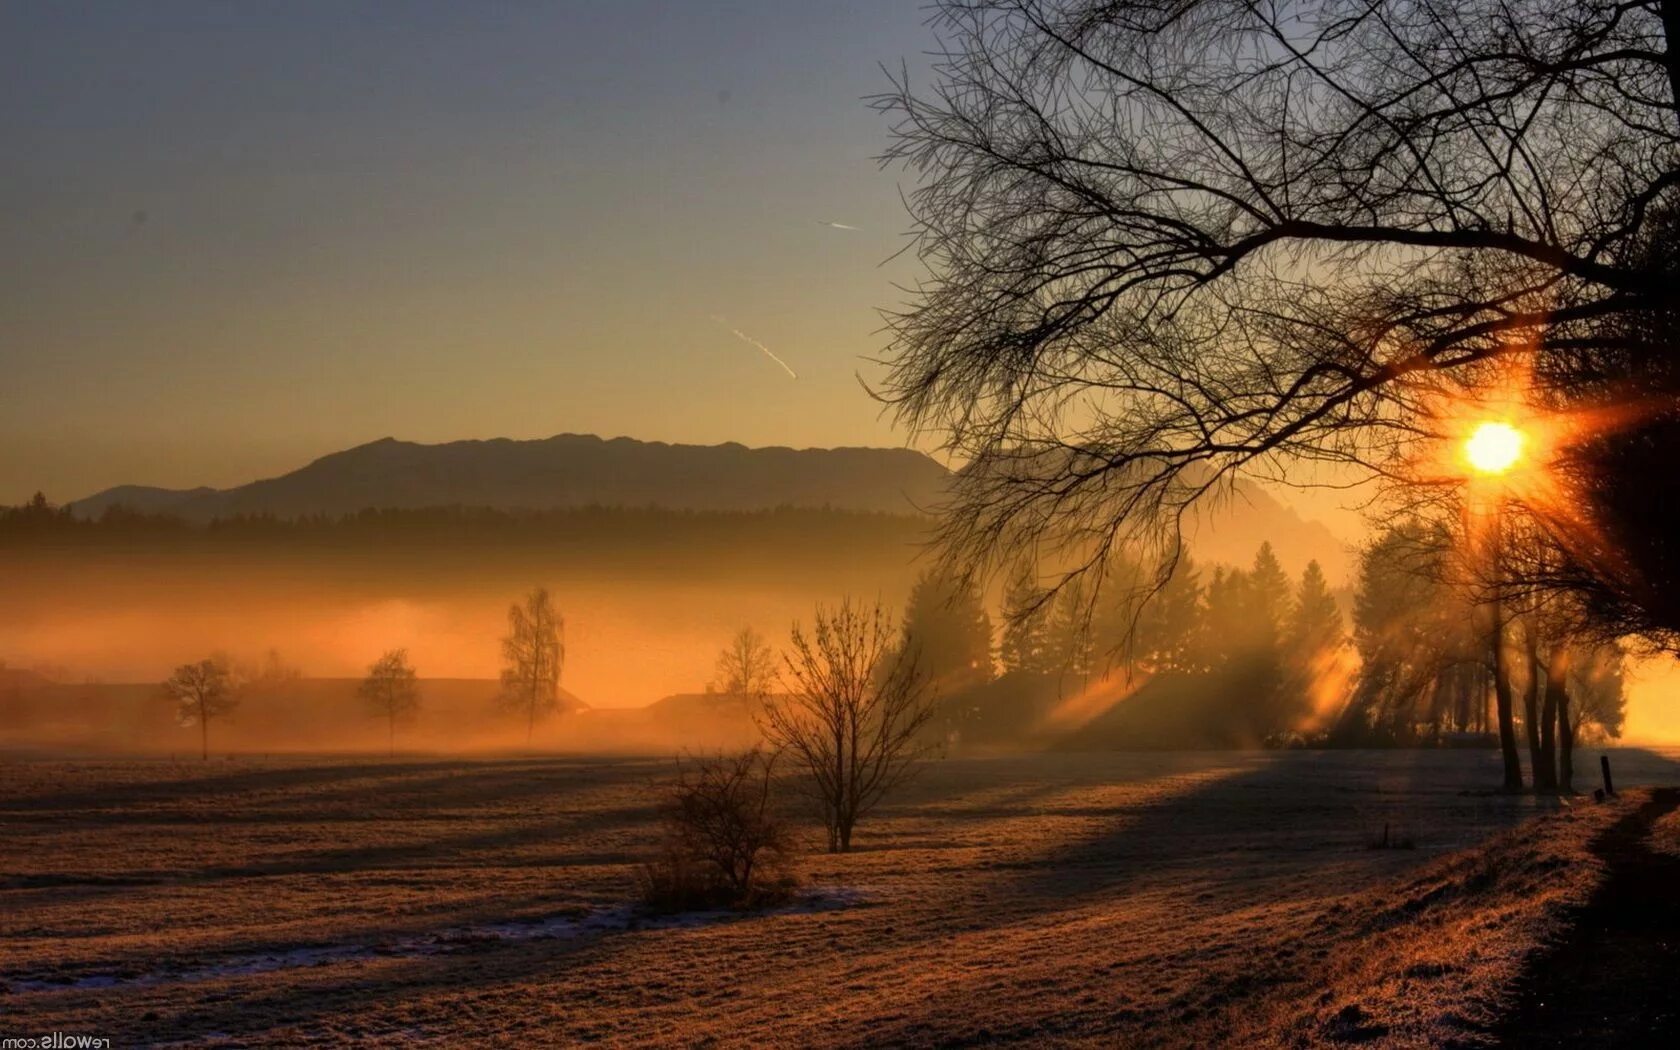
(575, 470)
(567, 470)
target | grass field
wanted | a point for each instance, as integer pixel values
(1147, 899)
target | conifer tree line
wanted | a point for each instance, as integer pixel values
(1411, 665)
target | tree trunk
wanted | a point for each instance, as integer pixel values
(1531, 704)
(203, 732)
(1502, 700)
(393, 736)
(1548, 721)
(1566, 736)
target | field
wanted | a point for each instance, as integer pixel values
(1101, 899)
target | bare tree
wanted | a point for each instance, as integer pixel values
(533, 654)
(725, 842)
(391, 691)
(1168, 243)
(746, 667)
(202, 691)
(852, 719)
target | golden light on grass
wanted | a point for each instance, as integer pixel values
(1494, 447)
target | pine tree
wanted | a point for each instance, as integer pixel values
(946, 625)
(1170, 622)
(1067, 636)
(1315, 624)
(1228, 615)
(1025, 611)
(1269, 601)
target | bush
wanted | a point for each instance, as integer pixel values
(725, 844)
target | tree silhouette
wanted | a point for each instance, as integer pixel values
(1170, 243)
(1026, 609)
(203, 691)
(390, 691)
(1170, 627)
(1315, 622)
(854, 714)
(946, 625)
(1269, 597)
(533, 654)
(746, 667)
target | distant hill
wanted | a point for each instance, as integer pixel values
(580, 470)
(568, 470)
(1230, 527)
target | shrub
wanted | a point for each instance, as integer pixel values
(725, 844)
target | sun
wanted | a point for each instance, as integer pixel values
(1493, 448)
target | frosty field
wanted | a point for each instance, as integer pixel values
(1106, 899)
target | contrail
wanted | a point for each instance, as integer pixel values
(835, 225)
(750, 341)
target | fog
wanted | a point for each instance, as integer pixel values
(90, 628)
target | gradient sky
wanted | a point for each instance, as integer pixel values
(237, 236)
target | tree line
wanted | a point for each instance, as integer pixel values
(39, 519)
(533, 657)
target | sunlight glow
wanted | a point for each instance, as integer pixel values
(1493, 448)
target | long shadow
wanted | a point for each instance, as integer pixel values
(1291, 811)
(1265, 832)
(446, 852)
(288, 778)
(1609, 980)
(284, 778)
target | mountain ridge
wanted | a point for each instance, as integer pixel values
(577, 470)
(565, 470)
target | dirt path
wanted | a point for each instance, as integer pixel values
(1611, 980)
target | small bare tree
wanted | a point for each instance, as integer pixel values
(725, 843)
(747, 667)
(202, 691)
(391, 691)
(534, 651)
(854, 714)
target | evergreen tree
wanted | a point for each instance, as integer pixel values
(1170, 623)
(1268, 598)
(946, 625)
(1315, 623)
(1025, 612)
(1067, 635)
(1227, 616)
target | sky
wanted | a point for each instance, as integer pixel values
(234, 237)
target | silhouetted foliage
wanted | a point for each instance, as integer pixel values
(854, 713)
(1171, 625)
(746, 667)
(946, 625)
(203, 691)
(1424, 660)
(1023, 648)
(1170, 243)
(391, 692)
(1315, 622)
(725, 844)
(533, 655)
